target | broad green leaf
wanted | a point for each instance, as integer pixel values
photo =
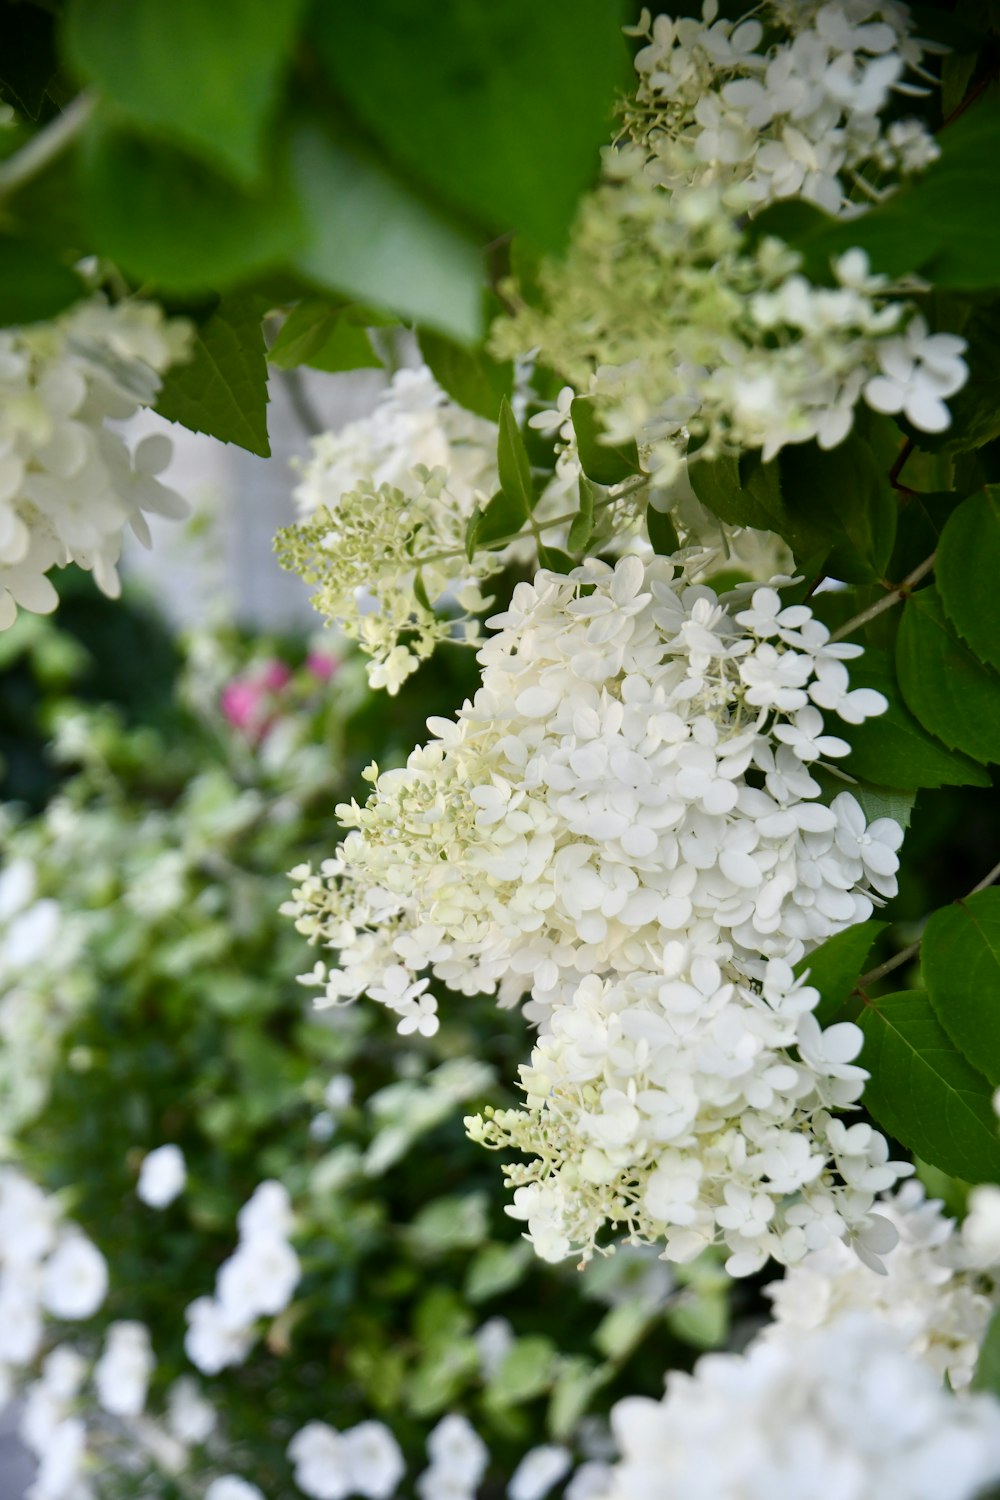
(622, 1328)
(719, 486)
(582, 526)
(843, 498)
(987, 1376)
(372, 237)
(496, 1269)
(884, 802)
(525, 1371)
(577, 1383)
(167, 218)
(513, 464)
(949, 689)
(471, 377)
(324, 337)
(662, 534)
(893, 748)
(223, 387)
(555, 559)
(921, 522)
(33, 286)
(943, 224)
(924, 1092)
(701, 1318)
(835, 966)
(501, 519)
(205, 75)
(28, 59)
(602, 462)
(968, 573)
(960, 961)
(500, 109)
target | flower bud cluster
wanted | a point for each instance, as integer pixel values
(845, 1410)
(69, 484)
(258, 1280)
(939, 1288)
(628, 802)
(384, 506)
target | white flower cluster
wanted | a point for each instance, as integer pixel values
(47, 1266)
(722, 101)
(121, 1375)
(664, 312)
(939, 1289)
(692, 1107)
(458, 1460)
(69, 485)
(384, 508)
(844, 1412)
(330, 1465)
(627, 802)
(258, 1280)
(162, 1176)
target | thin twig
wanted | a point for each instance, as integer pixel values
(893, 597)
(49, 143)
(905, 954)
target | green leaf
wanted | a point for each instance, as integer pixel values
(165, 217)
(577, 1383)
(28, 59)
(623, 1328)
(582, 526)
(501, 519)
(513, 464)
(987, 1376)
(968, 573)
(604, 463)
(223, 387)
(943, 225)
(471, 377)
(663, 537)
(502, 109)
(924, 1092)
(525, 1371)
(741, 492)
(893, 747)
(701, 1318)
(842, 498)
(497, 1269)
(324, 337)
(835, 966)
(951, 692)
(960, 961)
(556, 559)
(33, 286)
(371, 237)
(204, 75)
(884, 802)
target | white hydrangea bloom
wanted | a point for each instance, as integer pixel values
(69, 486)
(121, 1375)
(596, 802)
(936, 1289)
(725, 102)
(843, 1411)
(735, 348)
(232, 1487)
(692, 1108)
(538, 1471)
(162, 1176)
(191, 1419)
(458, 1461)
(75, 1277)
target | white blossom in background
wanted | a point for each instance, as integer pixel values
(75, 1277)
(593, 802)
(330, 1465)
(232, 1487)
(538, 1471)
(843, 1411)
(737, 348)
(69, 485)
(458, 1459)
(191, 1419)
(939, 1288)
(162, 1176)
(121, 1375)
(258, 1280)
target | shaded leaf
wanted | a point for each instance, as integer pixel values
(471, 377)
(602, 462)
(949, 689)
(33, 286)
(835, 966)
(968, 572)
(323, 337)
(960, 960)
(222, 389)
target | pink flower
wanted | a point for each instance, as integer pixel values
(245, 701)
(322, 666)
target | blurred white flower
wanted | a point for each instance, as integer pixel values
(121, 1375)
(162, 1176)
